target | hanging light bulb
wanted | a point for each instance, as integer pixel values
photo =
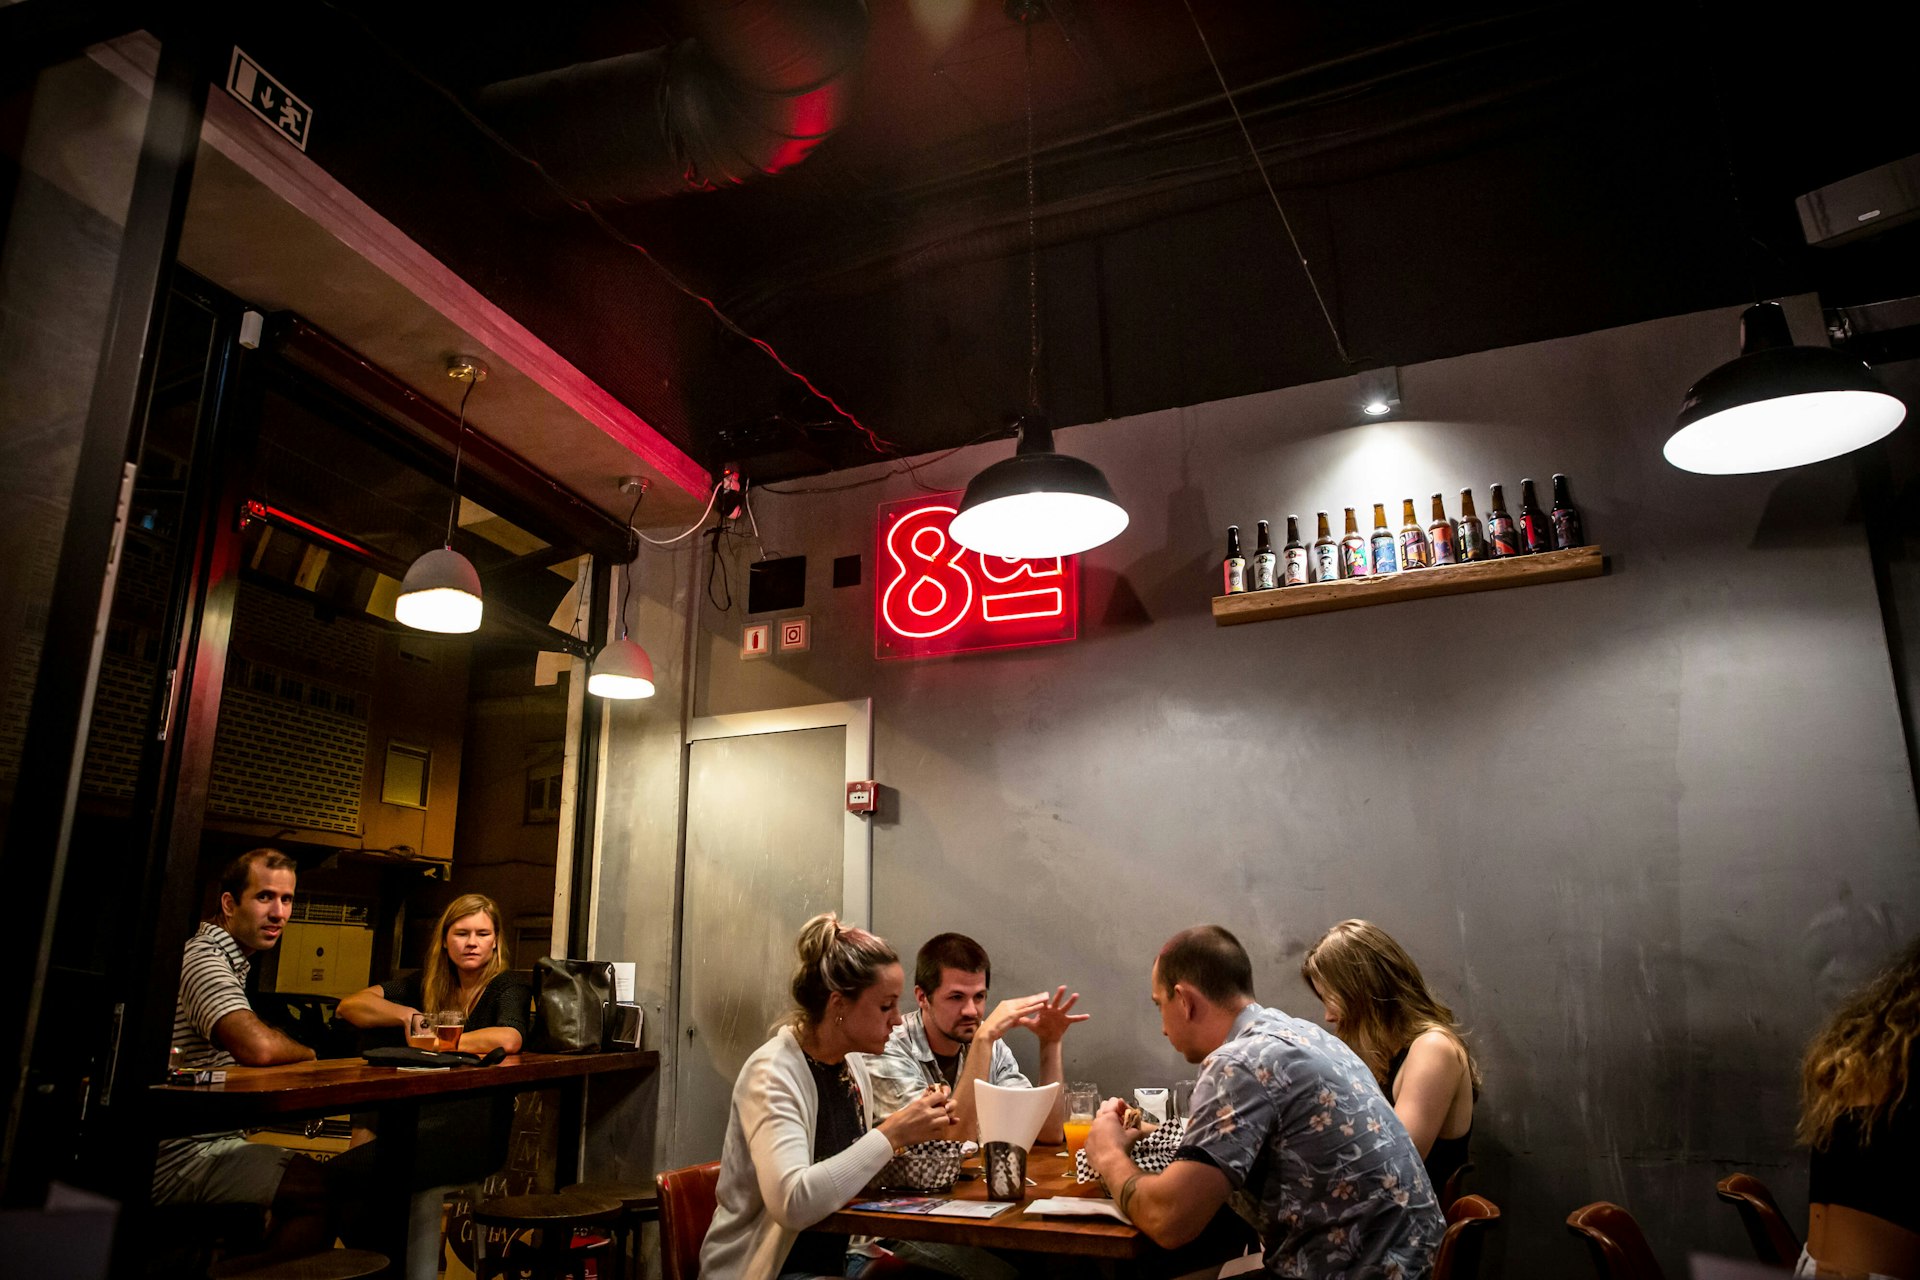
(622, 670)
(1038, 503)
(1778, 405)
(441, 591)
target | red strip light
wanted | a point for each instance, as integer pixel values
(257, 510)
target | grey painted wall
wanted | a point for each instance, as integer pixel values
(1639, 830)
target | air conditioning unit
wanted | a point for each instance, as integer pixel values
(1857, 207)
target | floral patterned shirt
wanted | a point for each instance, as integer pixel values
(1319, 1163)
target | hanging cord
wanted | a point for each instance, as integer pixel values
(626, 592)
(1033, 249)
(1259, 164)
(459, 441)
(878, 443)
(718, 562)
(1747, 238)
(689, 532)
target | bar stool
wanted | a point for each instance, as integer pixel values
(642, 1204)
(555, 1217)
(326, 1264)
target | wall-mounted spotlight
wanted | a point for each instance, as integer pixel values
(1379, 393)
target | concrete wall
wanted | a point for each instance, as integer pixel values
(1639, 830)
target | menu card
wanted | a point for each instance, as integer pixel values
(935, 1206)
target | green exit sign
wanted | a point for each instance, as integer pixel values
(269, 99)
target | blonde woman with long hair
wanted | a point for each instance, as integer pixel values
(801, 1138)
(1860, 1114)
(1379, 1004)
(465, 969)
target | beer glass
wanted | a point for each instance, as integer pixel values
(447, 1025)
(419, 1031)
(1082, 1101)
(1180, 1101)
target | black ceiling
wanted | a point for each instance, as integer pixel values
(1460, 177)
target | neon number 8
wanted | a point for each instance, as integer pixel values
(930, 594)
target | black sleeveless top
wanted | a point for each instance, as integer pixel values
(1869, 1175)
(1447, 1156)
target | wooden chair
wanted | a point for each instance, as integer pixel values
(555, 1217)
(1456, 1186)
(1619, 1251)
(641, 1202)
(688, 1198)
(1468, 1220)
(1767, 1230)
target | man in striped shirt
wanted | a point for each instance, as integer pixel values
(214, 1025)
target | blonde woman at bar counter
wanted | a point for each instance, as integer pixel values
(1379, 1004)
(801, 1141)
(1860, 1113)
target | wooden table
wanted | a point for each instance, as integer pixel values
(254, 1096)
(1013, 1229)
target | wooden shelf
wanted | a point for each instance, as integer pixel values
(1411, 584)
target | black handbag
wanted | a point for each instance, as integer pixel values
(572, 1005)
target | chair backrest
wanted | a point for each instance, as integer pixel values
(1613, 1238)
(1772, 1239)
(688, 1198)
(1456, 1183)
(1468, 1219)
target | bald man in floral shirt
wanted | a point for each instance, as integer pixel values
(1287, 1125)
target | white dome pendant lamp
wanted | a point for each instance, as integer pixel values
(1038, 503)
(441, 591)
(1778, 405)
(622, 670)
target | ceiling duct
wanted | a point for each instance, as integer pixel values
(756, 86)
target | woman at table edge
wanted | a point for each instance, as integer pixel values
(800, 1140)
(466, 969)
(1860, 1115)
(1377, 1002)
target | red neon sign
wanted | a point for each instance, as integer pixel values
(934, 596)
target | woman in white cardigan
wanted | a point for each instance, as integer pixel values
(801, 1141)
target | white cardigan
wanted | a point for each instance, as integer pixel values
(770, 1187)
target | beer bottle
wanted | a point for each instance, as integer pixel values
(1384, 560)
(1326, 554)
(1440, 534)
(1353, 550)
(1536, 535)
(1567, 531)
(1235, 565)
(1413, 539)
(1263, 562)
(1503, 538)
(1473, 539)
(1296, 555)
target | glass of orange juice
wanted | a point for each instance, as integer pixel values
(1082, 1101)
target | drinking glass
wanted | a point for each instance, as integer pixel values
(419, 1031)
(1082, 1101)
(447, 1025)
(1180, 1100)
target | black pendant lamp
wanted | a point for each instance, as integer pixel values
(1038, 503)
(1778, 405)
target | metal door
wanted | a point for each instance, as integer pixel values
(769, 843)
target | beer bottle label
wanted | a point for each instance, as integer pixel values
(1566, 529)
(1383, 557)
(1263, 572)
(1504, 537)
(1296, 566)
(1473, 543)
(1236, 575)
(1413, 549)
(1326, 563)
(1536, 533)
(1353, 560)
(1441, 536)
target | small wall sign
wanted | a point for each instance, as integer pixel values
(756, 640)
(268, 98)
(796, 634)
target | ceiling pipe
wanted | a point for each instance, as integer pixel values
(756, 86)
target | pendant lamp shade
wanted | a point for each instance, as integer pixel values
(621, 670)
(1779, 405)
(441, 592)
(1038, 503)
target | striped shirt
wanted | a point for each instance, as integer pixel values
(213, 984)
